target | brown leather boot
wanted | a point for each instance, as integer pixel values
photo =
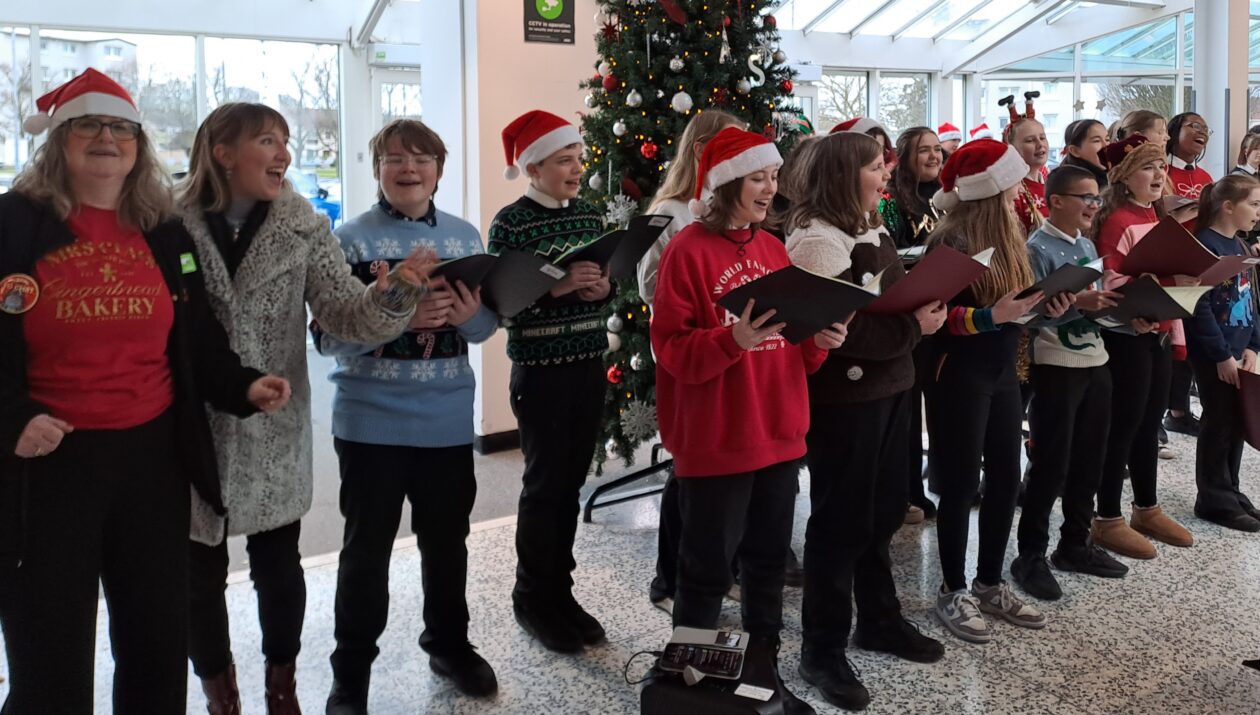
(1115, 535)
(1153, 522)
(222, 695)
(282, 690)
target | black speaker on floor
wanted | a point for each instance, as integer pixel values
(667, 694)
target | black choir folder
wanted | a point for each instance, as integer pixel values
(1170, 250)
(806, 301)
(470, 270)
(620, 250)
(940, 275)
(517, 280)
(1249, 404)
(1067, 278)
(1145, 298)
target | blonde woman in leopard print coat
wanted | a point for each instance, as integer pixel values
(267, 257)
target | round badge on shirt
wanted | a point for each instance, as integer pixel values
(18, 293)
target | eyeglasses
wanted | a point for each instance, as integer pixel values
(1091, 200)
(420, 161)
(1200, 127)
(90, 128)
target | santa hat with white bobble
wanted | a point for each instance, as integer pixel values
(982, 132)
(978, 170)
(858, 125)
(534, 136)
(89, 93)
(733, 154)
(947, 132)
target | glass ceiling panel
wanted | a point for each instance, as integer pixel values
(985, 18)
(849, 15)
(1149, 46)
(943, 16)
(1060, 60)
(896, 15)
(796, 14)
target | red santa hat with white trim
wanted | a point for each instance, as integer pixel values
(982, 132)
(534, 136)
(733, 154)
(978, 170)
(90, 93)
(858, 125)
(947, 132)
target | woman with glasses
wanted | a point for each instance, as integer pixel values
(268, 257)
(111, 354)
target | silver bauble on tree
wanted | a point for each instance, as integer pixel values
(615, 324)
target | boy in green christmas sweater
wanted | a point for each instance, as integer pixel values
(557, 383)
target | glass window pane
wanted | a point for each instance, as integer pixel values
(903, 102)
(1053, 108)
(1189, 40)
(841, 96)
(895, 16)
(849, 15)
(302, 81)
(15, 102)
(984, 18)
(1120, 95)
(943, 16)
(399, 100)
(1151, 46)
(1060, 60)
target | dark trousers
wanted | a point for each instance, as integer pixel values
(667, 537)
(914, 451)
(558, 410)
(107, 508)
(1069, 422)
(749, 514)
(375, 480)
(857, 492)
(1218, 455)
(974, 418)
(1140, 366)
(276, 570)
(1179, 386)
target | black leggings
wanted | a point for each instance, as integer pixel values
(1218, 454)
(1140, 369)
(974, 416)
(276, 570)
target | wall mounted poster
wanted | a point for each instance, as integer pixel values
(549, 21)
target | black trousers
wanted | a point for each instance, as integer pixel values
(276, 570)
(1069, 421)
(375, 480)
(1218, 455)
(748, 514)
(108, 508)
(974, 418)
(668, 535)
(914, 446)
(857, 492)
(1179, 386)
(558, 410)
(1140, 366)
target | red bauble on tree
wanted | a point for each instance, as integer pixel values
(611, 83)
(720, 95)
(726, 22)
(787, 86)
(769, 132)
(631, 189)
(649, 149)
(769, 22)
(615, 374)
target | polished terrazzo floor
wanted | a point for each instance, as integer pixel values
(1167, 639)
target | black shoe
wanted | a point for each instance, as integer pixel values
(900, 638)
(1241, 521)
(769, 645)
(793, 574)
(1032, 573)
(1163, 436)
(344, 700)
(834, 676)
(1186, 424)
(1251, 510)
(659, 590)
(470, 672)
(549, 628)
(589, 629)
(927, 505)
(1090, 560)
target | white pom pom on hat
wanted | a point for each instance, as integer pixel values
(698, 208)
(534, 136)
(36, 123)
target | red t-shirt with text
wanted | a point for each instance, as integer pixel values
(96, 339)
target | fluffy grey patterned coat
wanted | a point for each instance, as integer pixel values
(294, 261)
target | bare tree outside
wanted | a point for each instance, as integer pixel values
(903, 102)
(841, 96)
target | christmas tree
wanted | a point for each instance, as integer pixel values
(660, 62)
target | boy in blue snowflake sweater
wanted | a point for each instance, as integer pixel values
(403, 426)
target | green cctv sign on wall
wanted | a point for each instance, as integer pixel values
(549, 21)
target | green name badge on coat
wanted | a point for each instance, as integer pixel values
(187, 263)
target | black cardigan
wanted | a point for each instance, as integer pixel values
(203, 366)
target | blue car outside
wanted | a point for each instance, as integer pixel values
(307, 184)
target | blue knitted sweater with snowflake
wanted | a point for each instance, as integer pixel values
(416, 390)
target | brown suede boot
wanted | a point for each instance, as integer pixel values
(1115, 535)
(282, 690)
(1152, 521)
(222, 695)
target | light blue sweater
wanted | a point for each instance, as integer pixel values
(393, 394)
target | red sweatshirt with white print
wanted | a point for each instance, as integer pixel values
(724, 410)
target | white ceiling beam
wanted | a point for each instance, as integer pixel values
(1142, 4)
(961, 19)
(1062, 12)
(826, 13)
(1004, 30)
(866, 20)
(913, 21)
(364, 34)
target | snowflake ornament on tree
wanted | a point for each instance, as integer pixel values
(620, 210)
(638, 421)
